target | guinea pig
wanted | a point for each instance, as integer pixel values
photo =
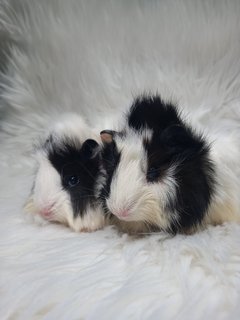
(161, 174)
(68, 178)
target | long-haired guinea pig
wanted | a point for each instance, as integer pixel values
(160, 172)
(68, 177)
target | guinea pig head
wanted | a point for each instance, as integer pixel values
(158, 175)
(66, 183)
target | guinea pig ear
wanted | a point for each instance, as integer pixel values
(90, 149)
(107, 136)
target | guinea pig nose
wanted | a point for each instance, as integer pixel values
(123, 213)
(46, 212)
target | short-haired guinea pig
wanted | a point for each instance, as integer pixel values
(68, 178)
(161, 174)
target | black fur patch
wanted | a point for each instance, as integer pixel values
(79, 170)
(174, 142)
(194, 173)
(110, 160)
(153, 113)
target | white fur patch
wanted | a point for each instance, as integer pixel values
(48, 192)
(130, 190)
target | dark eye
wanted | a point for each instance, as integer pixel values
(72, 181)
(152, 174)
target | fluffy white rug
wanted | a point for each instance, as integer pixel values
(92, 57)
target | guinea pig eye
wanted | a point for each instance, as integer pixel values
(152, 174)
(72, 181)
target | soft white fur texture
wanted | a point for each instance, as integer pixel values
(48, 199)
(92, 57)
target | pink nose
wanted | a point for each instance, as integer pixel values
(123, 213)
(46, 212)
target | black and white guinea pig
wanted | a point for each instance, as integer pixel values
(160, 172)
(68, 177)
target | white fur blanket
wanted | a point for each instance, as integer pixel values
(91, 57)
